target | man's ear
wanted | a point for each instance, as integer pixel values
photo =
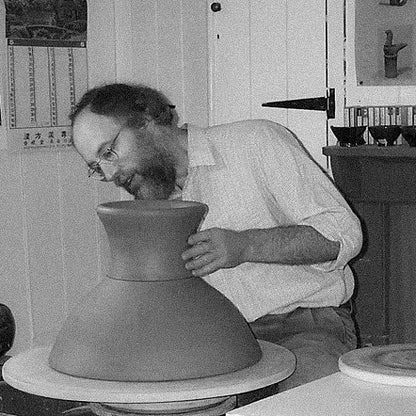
(162, 115)
(150, 124)
(147, 117)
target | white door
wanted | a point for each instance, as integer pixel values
(269, 50)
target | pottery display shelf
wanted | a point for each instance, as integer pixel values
(151, 338)
(380, 185)
(374, 173)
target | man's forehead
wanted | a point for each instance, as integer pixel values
(90, 131)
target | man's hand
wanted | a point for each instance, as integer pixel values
(214, 249)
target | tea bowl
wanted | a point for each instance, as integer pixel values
(385, 135)
(349, 136)
(409, 134)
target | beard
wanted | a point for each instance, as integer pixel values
(156, 179)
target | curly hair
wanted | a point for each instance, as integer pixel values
(131, 104)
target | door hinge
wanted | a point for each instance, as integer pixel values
(317, 103)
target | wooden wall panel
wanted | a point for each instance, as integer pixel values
(44, 240)
(230, 62)
(101, 42)
(195, 62)
(14, 278)
(124, 40)
(402, 304)
(81, 262)
(307, 72)
(170, 52)
(268, 50)
(335, 52)
(145, 42)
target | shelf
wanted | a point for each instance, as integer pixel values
(370, 173)
(370, 150)
(380, 185)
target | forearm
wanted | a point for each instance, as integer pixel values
(218, 248)
(297, 244)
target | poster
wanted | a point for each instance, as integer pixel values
(47, 70)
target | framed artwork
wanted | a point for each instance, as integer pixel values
(380, 52)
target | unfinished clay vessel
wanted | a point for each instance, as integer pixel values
(150, 319)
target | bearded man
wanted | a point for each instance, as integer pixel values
(278, 235)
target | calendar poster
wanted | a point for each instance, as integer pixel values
(47, 70)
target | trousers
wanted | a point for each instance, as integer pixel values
(316, 336)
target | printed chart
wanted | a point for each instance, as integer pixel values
(44, 83)
(46, 72)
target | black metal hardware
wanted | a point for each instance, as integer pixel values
(394, 3)
(216, 7)
(318, 103)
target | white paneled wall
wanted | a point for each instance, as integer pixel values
(52, 245)
(270, 50)
(164, 44)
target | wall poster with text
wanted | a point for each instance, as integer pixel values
(46, 70)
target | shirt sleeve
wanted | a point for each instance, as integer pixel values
(303, 194)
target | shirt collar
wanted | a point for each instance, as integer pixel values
(199, 149)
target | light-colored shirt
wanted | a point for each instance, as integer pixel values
(255, 174)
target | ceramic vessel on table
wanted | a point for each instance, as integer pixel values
(149, 319)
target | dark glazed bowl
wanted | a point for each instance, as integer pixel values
(385, 135)
(409, 134)
(349, 136)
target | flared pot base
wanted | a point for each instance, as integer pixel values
(154, 331)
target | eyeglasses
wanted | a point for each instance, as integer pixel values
(107, 158)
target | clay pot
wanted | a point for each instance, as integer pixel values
(150, 319)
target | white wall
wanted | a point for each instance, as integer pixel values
(52, 246)
(270, 50)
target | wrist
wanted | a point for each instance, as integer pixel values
(248, 246)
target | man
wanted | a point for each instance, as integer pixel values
(278, 235)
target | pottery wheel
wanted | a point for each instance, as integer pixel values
(31, 373)
(388, 364)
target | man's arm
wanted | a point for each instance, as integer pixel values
(217, 248)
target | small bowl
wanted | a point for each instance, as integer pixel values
(385, 135)
(409, 134)
(349, 136)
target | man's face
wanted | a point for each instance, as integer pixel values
(139, 167)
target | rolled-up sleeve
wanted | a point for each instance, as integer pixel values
(343, 227)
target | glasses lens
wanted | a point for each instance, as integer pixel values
(96, 173)
(109, 155)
